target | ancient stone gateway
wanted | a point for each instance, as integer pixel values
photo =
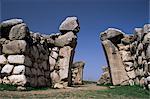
(128, 57)
(37, 60)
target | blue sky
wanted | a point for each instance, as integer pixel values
(94, 16)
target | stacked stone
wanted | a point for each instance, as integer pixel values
(61, 55)
(77, 73)
(105, 77)
(22, 61)
(35, 59)
(128, 55)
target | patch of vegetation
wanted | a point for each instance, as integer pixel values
(129, 91)
(7, 87)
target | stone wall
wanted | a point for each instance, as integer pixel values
(77, 73)
(128, 56)
(34, 59)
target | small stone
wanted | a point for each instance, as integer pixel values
(20, 88)
(58, 86)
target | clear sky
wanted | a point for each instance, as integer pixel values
(94, 16)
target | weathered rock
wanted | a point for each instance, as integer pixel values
(131, 74)
(64, 63)
(128, 39)
(7, 69)
(18, 79)
(55, 77)
(65, 39)
(148, 52)
(3, 60)
(126, 56)
(58, 86)
(18, 32)
(14, 47)
(54, 54)
(146, 28)
(5, 26)
(20, 69)
(118, 73)
(16, 59)
(112, 34)
(146, 38)
(70, 24)
(77, 70)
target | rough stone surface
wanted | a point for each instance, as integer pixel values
(118, 74)
(16, 59)
(34, 59)
(18, 32)
(70, 24)
(131, 56)
(3, 60)
(14, 47)
(7, 69)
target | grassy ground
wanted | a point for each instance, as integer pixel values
(86, 92)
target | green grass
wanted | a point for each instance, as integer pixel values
(7, 87)
(129, 91)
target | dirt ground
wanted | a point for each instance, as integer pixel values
(49, 92)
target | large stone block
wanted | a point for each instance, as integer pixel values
(6, 26)
(18, 32)
(70, 24)
(7, 69)
(14, 47)
(20, 69)
(18, 79)
(65, 39)
(16, 59)
(118, 73)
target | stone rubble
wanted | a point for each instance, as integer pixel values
(38, 60)
(128, 56)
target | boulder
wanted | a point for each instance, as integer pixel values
(16, 59)
(7, 69)
(15, 47)
(70, 24)
(18, 32)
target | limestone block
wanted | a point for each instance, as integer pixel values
(65, 39)
(118, 73)
(70, 24)
(20, 69)
(18, 32)
(18, 79)
(7, 69)
(16, 59)
(14, 47)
